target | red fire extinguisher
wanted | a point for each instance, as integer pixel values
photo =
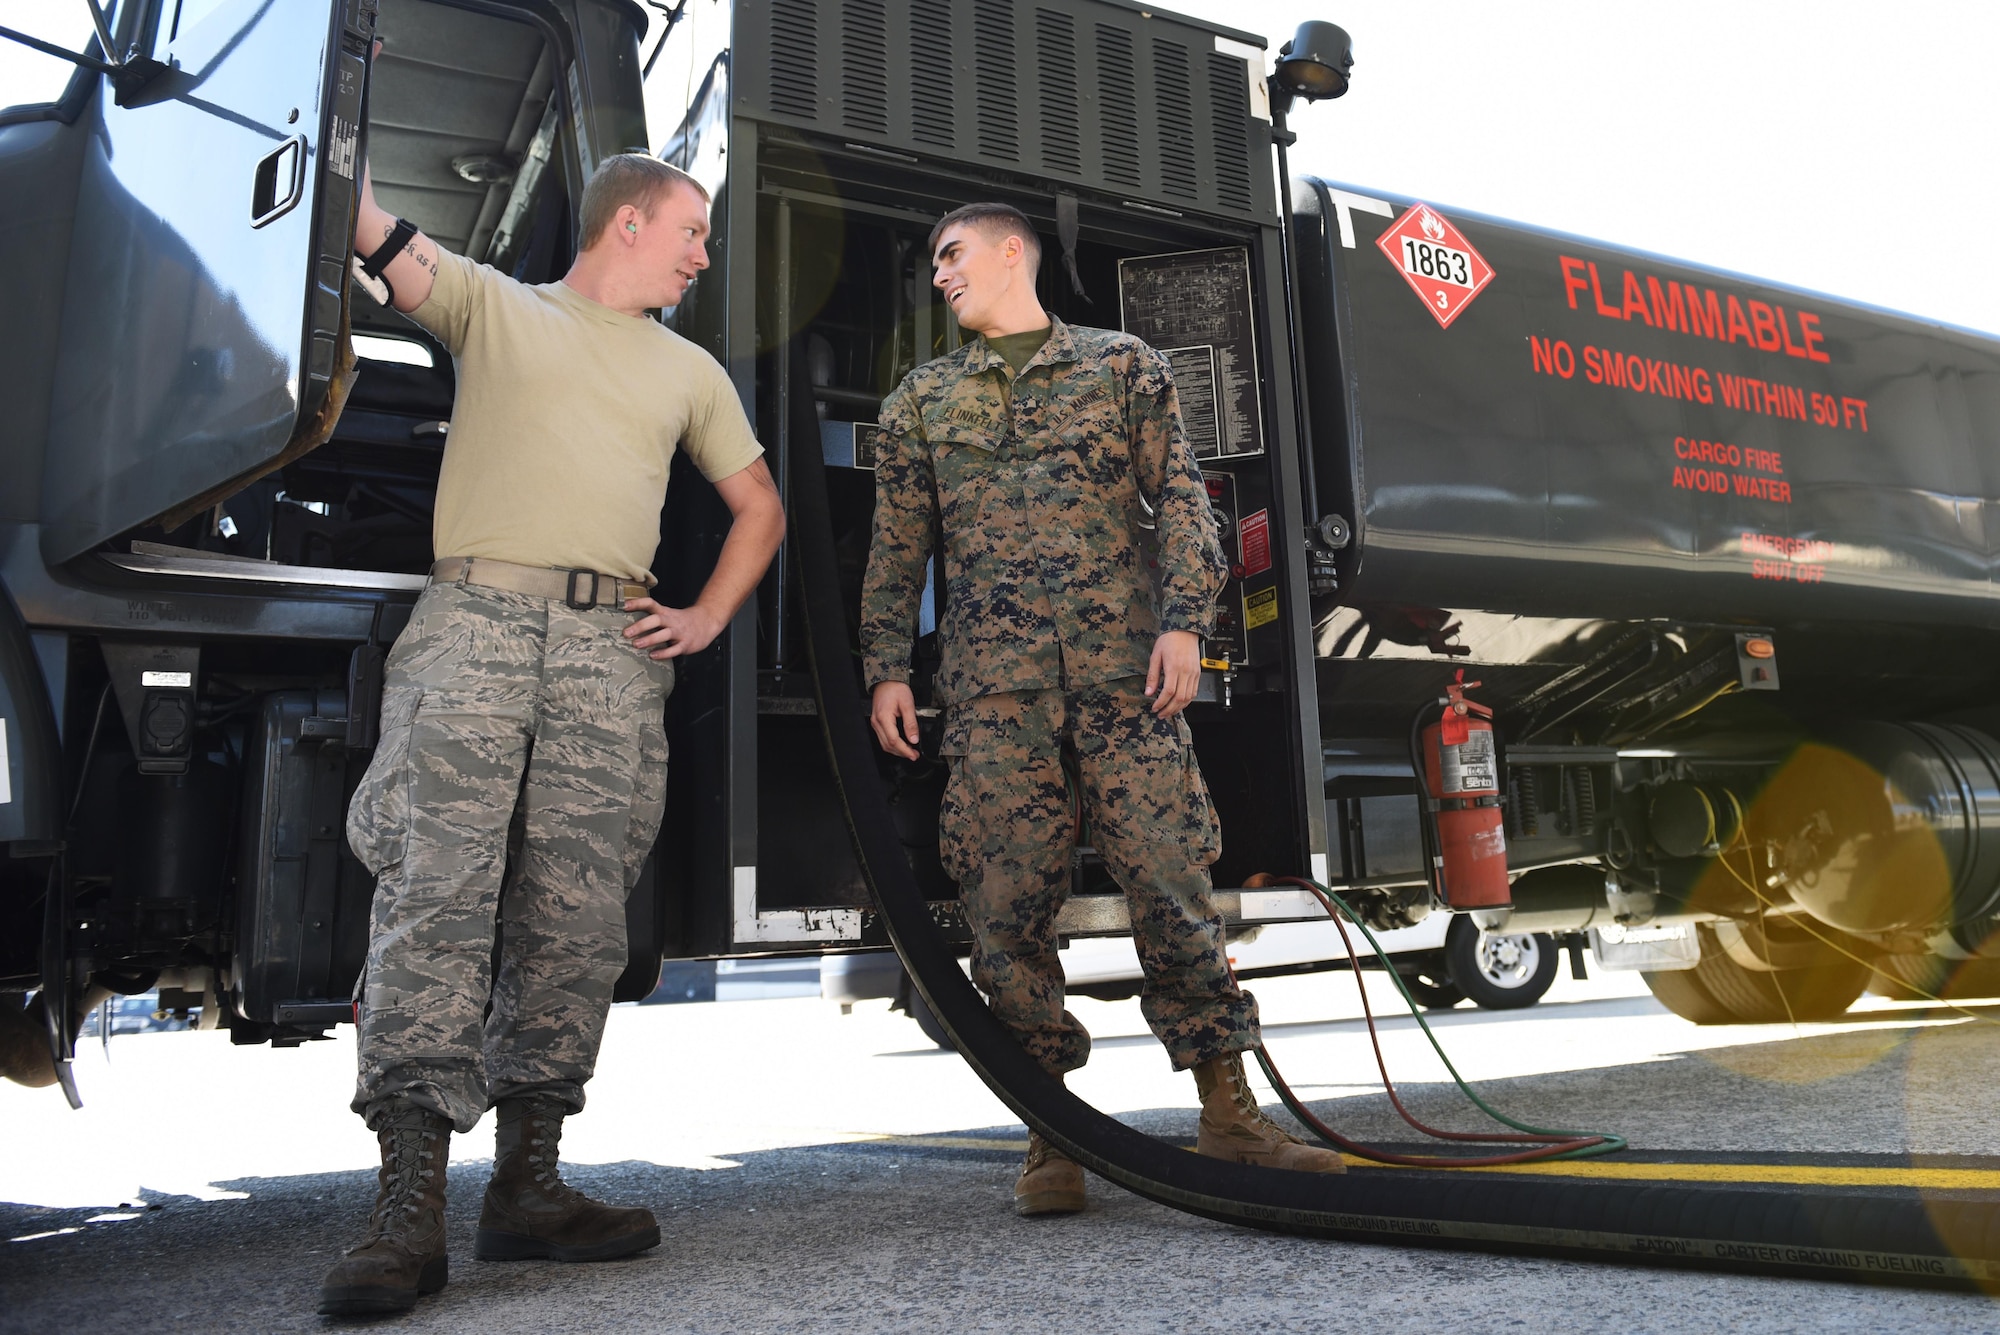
(1462, 776)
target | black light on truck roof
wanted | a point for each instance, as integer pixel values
(1316, 62)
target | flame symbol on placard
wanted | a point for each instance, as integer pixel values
(1432, 227)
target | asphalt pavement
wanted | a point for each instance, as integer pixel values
(819, 1172)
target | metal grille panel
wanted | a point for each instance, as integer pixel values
(996, 108)
(1173, 107)
(794, 57)
(1229, 95)
(864, 66)
(932, 121)
(1120, 105)
(1062, 139)
(1085, 93)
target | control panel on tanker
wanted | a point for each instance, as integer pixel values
(1195, 307)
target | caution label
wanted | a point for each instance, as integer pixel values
(1436, 260)
(1260, 608)
(1253, 544)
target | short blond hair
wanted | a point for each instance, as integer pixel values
(638, 179)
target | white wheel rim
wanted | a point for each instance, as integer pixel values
(1508, 961)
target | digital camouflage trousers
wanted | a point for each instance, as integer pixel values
(516, 791)
(1008, 828)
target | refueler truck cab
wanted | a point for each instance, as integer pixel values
(1717, 556)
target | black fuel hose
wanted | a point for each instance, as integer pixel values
(1834, 1235)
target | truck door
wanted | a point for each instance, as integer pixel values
(202, 312)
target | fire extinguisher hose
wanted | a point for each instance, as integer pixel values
(1549, 1144)
(1427, 832)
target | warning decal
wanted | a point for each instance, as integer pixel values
(1436, 260)
(1253, 545)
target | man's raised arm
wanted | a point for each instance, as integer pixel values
(413, 268)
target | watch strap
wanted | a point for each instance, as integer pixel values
(378, 259)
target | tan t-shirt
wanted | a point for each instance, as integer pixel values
(567, 419)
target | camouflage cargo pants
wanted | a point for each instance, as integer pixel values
(502, 713)
(1007, 831)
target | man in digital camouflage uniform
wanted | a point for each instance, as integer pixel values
(521, 775)
(1038, 448)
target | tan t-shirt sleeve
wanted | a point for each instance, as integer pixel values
(719, 439)
(455, 298)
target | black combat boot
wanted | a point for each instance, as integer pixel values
(531, 1212)
(403, 1255)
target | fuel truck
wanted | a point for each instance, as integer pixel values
(1717, 555)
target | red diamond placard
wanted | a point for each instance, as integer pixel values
(1436, 260)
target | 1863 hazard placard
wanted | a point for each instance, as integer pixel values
(1436, 260)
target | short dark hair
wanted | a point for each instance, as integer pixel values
(638, 179)
(993, 221)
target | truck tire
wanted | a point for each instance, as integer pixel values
(1820, 990)
(1430, 984)
(1973, 978)
(1500, 972)
(1916, 975)
(1682, 993)
(1910, 977)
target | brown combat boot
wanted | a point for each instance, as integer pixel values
(403, 1255)
(531, 1212)
(1233, 1127)
(1050, 1181)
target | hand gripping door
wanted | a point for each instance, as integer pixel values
(203, 305)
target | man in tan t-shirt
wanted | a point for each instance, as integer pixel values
(521, 775)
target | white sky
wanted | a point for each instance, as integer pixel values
(1843, 147)
(26, 75)
(1831, 145)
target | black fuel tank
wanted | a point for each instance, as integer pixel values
(1518, 421)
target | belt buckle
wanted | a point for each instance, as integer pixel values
(569, 594)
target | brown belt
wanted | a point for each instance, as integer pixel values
(577, 588)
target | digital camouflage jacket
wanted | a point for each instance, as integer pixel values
(1041, 484)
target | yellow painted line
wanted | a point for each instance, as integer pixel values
(1798, 1175)
(1613, 1169)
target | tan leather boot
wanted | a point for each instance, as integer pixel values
(1233, 1127)
(1050, 1183)
(531, 1212)
(403, 1255)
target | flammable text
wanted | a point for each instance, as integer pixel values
(1691, 310)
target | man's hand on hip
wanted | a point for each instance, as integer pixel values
(670, 632)
(1174, 674)
(894, 717)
